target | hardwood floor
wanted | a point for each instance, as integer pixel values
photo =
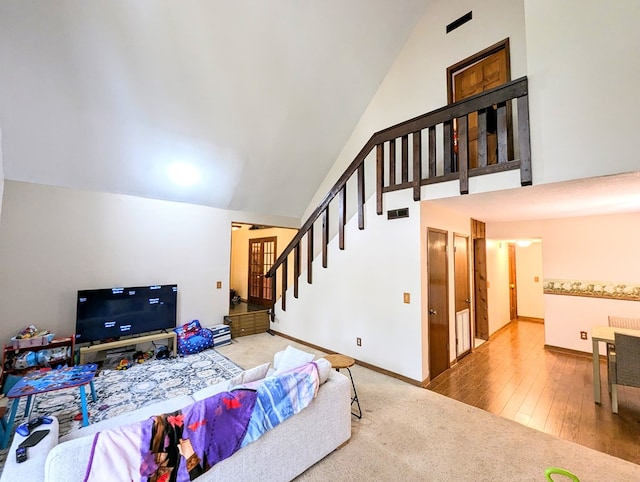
(513, 376)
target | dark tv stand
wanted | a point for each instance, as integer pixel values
(127, 342)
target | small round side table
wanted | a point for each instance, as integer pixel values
(343, 361)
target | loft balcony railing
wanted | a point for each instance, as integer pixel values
(444, 131)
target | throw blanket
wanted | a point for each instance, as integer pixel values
(180, 446)
(281, 396)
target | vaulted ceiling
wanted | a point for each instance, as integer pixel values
(255, 97)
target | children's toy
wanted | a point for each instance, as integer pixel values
(193, 338)
(124, 364)
(26, 360)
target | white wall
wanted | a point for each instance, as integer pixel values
(55, 241)
(590, 248)
(498, 284)
(360, 294)
(598, 248)
(416, 83)
(1, 177)
(240, 255)
(528, 268)
(582, 66)
(438, 217)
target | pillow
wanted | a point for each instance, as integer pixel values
(192, 338)
(292, 358)
(324, 368)
(255, 373)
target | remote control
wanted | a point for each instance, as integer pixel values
(25, 428)
(21, 454)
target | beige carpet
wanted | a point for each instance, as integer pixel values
(408, 433)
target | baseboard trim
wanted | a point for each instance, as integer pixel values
(531, 318)
(411, 381)
(569, 351)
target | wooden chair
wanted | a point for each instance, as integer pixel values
(624, 365)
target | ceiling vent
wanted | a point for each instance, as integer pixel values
(398, 213)
(461, 21)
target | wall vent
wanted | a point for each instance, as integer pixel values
(398, 213)
(461, 21)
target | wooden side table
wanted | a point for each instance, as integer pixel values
(343, 361)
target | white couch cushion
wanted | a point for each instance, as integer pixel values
(211, 390)
(251, 375)
(142, 413)
(324, 368)
(290, 358)
(33, 468)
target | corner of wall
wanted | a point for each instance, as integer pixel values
(1, 176)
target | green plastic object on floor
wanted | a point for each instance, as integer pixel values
(558, 471)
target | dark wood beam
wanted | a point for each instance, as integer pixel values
(432, 152)
(482, 138)
(417, 164)
(524, 141)
(405, 158)
(463, 155)
(342, 215)
(503, 143)
(283, 298)
(310, 254)
(392, 162)
(296, 269)
(379, 177)
(361, 196)
(325, 236)
(447, 133)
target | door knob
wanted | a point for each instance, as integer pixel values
(512, 286)
(467, 300)
(433, 312)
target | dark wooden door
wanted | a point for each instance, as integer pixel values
(463, 301)
(513, 289)
(480, 283)
(438, 302)
(262, 255)
(481, 72)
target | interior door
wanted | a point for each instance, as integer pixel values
(480, 284)
(438, 302)
(463, 301)
(481, 72)
(262, 255)
(513, 289)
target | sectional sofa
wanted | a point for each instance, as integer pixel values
(280, 454)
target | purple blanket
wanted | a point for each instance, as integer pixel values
(178, 446)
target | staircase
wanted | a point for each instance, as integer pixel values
(425, 150)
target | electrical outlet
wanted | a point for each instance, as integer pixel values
(359, 341)
(583, 335)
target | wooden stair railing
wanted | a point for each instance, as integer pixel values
(453, 166)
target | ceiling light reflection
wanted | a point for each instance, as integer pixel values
(184, 174)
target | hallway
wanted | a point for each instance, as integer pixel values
(515, 377)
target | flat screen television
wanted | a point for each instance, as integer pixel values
(111, 313)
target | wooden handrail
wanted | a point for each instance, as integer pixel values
(510, 90)
(353, 167)
(515, 89)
